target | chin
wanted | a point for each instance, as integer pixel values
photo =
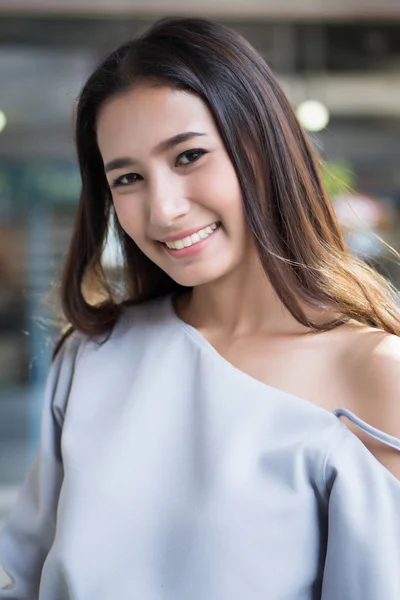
(195, 279)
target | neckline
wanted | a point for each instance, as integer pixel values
(205, 344)
(333, 415)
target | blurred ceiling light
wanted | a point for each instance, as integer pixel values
(3, 121)
(313, 115)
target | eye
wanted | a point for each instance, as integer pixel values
(128, 179)
(190, 156)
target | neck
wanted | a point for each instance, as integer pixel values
(243, 303)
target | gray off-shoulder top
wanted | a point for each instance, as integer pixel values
(165, 473)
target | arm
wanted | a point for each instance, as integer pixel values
(29, 532)
(372, 370)
(363, 548)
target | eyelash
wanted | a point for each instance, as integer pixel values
(118, 181)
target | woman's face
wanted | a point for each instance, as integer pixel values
(174, 188)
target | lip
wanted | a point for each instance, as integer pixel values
(183, 234)
(194, 249)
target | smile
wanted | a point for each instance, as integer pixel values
(190, 240)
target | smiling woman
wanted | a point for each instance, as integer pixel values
(164, 192)
(229, 427)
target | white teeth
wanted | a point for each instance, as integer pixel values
(202, 234)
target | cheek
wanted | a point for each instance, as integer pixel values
(130, 216)
(225, 189)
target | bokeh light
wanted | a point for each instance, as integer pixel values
(3, 121)
(313, 115)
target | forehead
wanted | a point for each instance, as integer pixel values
(139, 119)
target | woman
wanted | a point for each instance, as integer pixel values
(226, 426)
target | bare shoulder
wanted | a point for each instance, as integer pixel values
(371, 366)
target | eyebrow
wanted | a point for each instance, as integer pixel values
(119, 163)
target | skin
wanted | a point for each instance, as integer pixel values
(164, 191)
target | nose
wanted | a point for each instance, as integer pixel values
(167, 202)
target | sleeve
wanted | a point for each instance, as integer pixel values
(363, 545)
(29, 531)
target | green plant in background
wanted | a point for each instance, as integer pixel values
(338, 178)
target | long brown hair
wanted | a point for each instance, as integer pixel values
(289, 212)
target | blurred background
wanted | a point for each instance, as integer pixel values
(339, 63)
